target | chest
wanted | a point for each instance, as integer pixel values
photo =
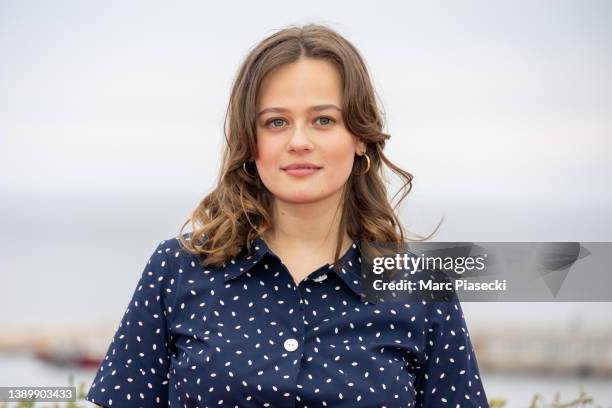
(261, 340)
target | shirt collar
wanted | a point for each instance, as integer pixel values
(350, 265)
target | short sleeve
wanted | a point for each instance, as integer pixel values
(135, 369)
(450, 375)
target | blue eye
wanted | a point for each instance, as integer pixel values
(326, 119)
(276, 121)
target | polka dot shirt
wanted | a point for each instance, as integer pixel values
(245, 335)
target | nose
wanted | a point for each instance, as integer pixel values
(299, 138)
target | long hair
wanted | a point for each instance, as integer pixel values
(237, 210)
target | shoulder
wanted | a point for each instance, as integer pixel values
(168, 261)
(168, 269)
(172, 250)
(172, 243)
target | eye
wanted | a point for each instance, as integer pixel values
(276, 121)
(326, 120)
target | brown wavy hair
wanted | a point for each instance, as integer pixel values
(238, 208)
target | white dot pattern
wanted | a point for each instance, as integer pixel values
(245, 335)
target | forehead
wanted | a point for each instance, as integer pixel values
(304, 82)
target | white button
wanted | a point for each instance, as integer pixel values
(291, 344)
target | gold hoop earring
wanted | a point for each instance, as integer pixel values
(245, 170)
(367, 167)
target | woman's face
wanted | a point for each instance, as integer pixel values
(299, 122)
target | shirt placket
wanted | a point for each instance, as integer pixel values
(293, 344)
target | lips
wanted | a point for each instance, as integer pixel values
(296, 166)
(301, 170)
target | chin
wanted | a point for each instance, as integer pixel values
(301, 198)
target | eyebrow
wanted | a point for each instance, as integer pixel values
(315, 108)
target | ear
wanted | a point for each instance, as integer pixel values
(360, 147)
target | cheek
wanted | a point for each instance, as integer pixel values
(267, 158)
(341, 157)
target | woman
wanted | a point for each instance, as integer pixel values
(262, 304)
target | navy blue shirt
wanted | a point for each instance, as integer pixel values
(245, 335)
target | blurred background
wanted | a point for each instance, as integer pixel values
(111, 119)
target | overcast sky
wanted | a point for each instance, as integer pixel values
(96, 93)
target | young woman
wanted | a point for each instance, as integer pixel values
(262, 304)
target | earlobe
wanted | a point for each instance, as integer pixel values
(361, 148)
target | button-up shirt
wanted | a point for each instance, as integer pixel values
(245, 335)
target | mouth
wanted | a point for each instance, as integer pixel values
(301, 170)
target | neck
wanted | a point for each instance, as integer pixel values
(312, 226)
